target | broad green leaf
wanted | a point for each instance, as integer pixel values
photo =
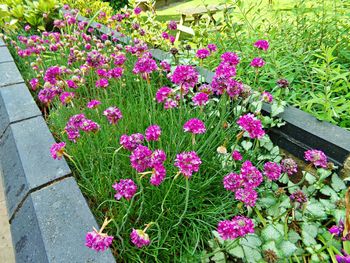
(337, 183)
(293, 236)
(316, 209)
(219, 257)
(247, 145)
(237, 252)
(287, 248)
(309, 232)
(310, 178)
(327, 190)
(270, 232)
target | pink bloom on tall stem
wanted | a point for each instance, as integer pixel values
(140, 158)
(212, 47)
(195, 126)
(66, 97)
(137, 11)
(236, 155)
(158, 157)
(202, 53)
(97, 240)
(239, 226)
(188, 163)
(165, 66)
(200, 99)
(34, 83)
(57, 150)
(230, 58)
(267, 97)
(298, 197)
(252, 177)
(113, 114)
(316, 157)
(93, 104)
(247, 195)
(272, 170)
(102, 83)
(262, 44)
(185, 75)
(139, 238)
(153, 133)
(252, 125)
(125, 188)
(163, 93)
(257, 62)
(131, 142)
(289, 166)
(158, 174)
(172, 25)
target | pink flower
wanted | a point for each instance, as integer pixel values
(212, 47)
(98, 241)
(202, 53)
(230, 58)
(153, 133)
(140, 158)
(252, 125)
(93, 104)
(262, 44)
(170, 104)
(257, 62)
(71, 84)
(171, 39)
(232, 182)
(252, 177)
(139, 238)
(337, 230)
(239, 226)
(102, 83)
(137, 10)
(165, 35)
(163, 93)
(145, 65)
(272, 170)
(165, 66)
(172, 25)
(298, 197)
(185, 75)
(236, 155)
(158, 174)
(57, 150)
(316, 157)
(131, 142)
(125, 188)
(119, 60)
(89, 126)
(200, 99)
(46, 95)
(194, 126)
(267, 97)
(34, 83)
(247, 195)
(158, 158)
(289, 166)
(188, 162)
(115, 73)
(27, 28)
(66, 97)
(113, 114)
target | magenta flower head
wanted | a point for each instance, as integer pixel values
(289, 166)
(172, 25)
(230, 58)
(195, 126)
(165, 66)
(102, 83)
(298, 197)
(252, 125)
(232, 182)
(165, 35)
(34, 83)
(66, 97)
(140, 158)
(200, 99)
(257, 62)
(145, 65)
(337, 230)
(262, 44)
(153, 133)
(98, 241)
(163, 93)
(158, 158)
(343, 258)
(212, 47)
(139, 238)
(93, 104)
(27, 28)
(158, 174)
(316, 157)
(185, 75)
(272, 170)
(125, 188)
(202, 53)
(113, 114)
(252, 177)
(137, 11)
(188, 162)
(236, 155)
(267, 97)
(247, 195)
(57, 150)
(239, 226)
(131, 142)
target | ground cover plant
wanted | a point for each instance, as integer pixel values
(173, 168)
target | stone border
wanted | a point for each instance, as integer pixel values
(301, 132)
(48, 215)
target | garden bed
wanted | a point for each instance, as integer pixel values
(181, 211)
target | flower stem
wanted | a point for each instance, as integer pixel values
(166, 195)
(186, 202)
(263, 221)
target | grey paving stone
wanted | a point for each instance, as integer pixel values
(16, 103)
(56, 220)
(160, 54)
(9, 74)
(5, 55)
(26, 161)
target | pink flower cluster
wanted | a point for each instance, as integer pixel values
(79, 122)
(252, 125)
(125, 188)
(202, 53)
(236, 155)
(185, 76)
(139, 238)
(57, 150)
(272, 170)
(200, 99)
(298, 197)
(145, 65)
(257, 62)
(244, 183)
(188, 163)
(262, 44)
(195, 126)
(316, 157)
(267, 97)
(289, 166)
(153, 133)
(239, 226)
(98, 241)
(131, 142)
(167, 96)
(93, 104)
(113, 115)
